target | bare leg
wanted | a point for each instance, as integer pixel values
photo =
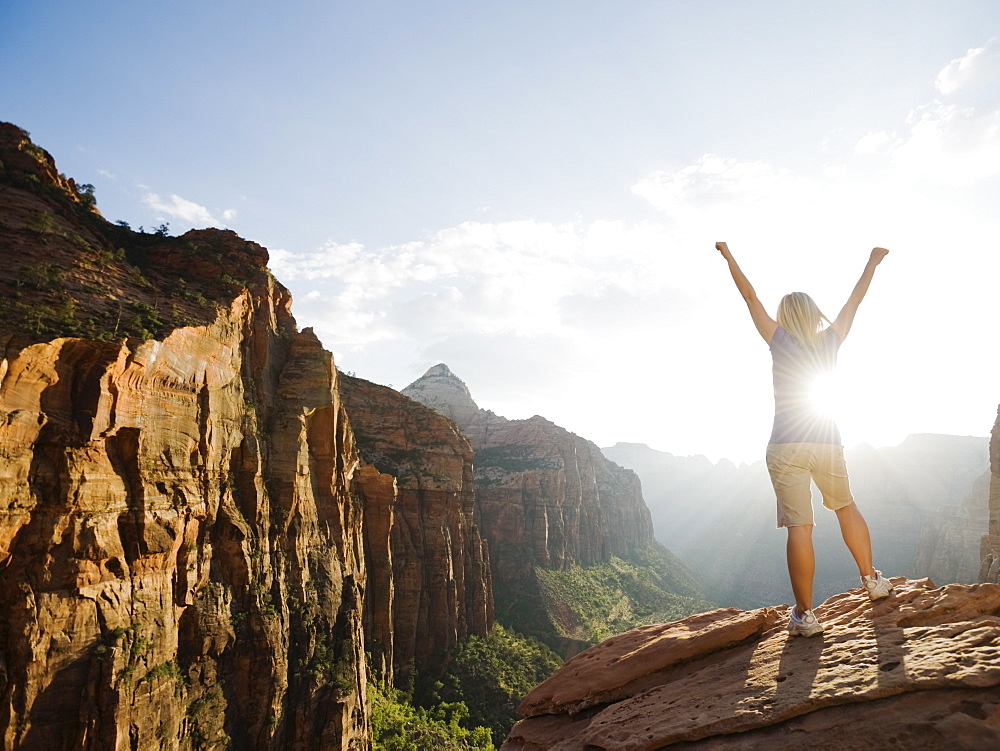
(801, 565)
(854, 530)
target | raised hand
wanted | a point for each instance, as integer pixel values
(724, 249)
(877, 255)
(846, 318)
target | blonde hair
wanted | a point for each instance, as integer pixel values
(799, 315)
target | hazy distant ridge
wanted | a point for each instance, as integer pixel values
(720, 518)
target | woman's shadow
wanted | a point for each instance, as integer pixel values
(871, 650)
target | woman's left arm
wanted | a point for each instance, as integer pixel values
(846, 317)
(764, 323)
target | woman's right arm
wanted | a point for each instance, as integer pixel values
(764, 323)
(846, 318)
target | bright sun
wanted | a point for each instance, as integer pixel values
(825, 394)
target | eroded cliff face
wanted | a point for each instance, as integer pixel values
(181, 562)
(920, 669)
(433, 584)
(171, 572)
(990, 550)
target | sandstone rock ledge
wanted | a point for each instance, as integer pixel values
(920, 669)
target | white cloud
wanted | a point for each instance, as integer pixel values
(978, 68)
(711, 179)
(872, 143)
(951, 144)
(954, 142)
(521, 279)
(186, 211)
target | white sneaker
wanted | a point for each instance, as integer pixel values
(877, 586)
(807, 625)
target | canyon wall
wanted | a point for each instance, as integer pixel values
(548, 497)
(990, 550)
(562, 522)
(417, 482)
(181, 561)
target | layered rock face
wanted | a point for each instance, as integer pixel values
(990, 550)
(920, 669)
(181, 562)
(417, 484)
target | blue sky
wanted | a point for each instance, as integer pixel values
(530, 191)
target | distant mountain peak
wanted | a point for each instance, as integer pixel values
(443, 391)
(439, 370)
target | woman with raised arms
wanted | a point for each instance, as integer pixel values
(805, 442)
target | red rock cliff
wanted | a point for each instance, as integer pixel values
(430, 586)
(181, 561)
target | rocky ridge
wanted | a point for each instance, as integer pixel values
(949, 547)
(920, 669)
(445, 393)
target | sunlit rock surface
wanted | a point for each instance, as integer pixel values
(920, 669)
(181, 562)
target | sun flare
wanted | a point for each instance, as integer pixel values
(825, 394)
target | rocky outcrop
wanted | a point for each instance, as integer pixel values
(920, 669)
(417, 483)
(181, 562)
(990, 550)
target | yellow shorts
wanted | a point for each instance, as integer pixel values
(793, 465)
